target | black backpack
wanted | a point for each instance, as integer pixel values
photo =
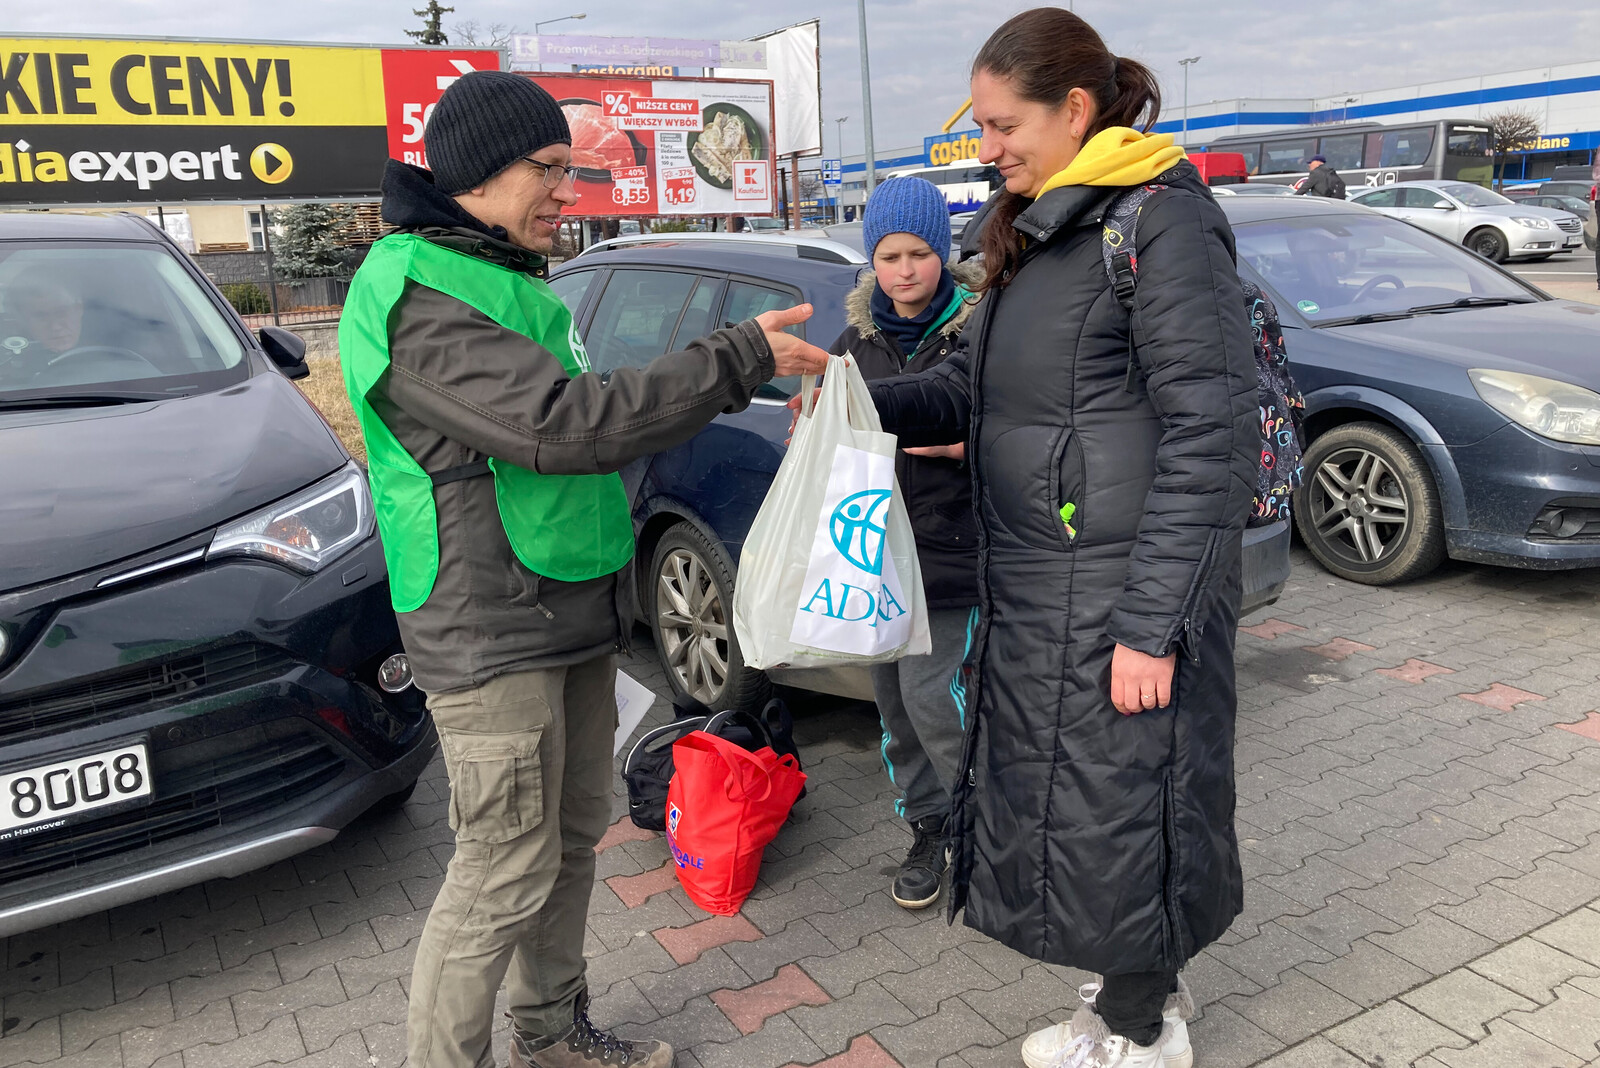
(648, 769)
(1281, 406)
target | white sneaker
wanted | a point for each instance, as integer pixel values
(1047, 1048)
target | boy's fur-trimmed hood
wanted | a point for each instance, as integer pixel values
(858, 305)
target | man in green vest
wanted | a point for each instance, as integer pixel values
(493, 453)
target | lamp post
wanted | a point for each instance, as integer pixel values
(1186, 64)
(537, 26)
(866, 101)
(1347, 102)
(838, 200)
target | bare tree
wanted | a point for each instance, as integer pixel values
(475, 35)
(1514, 128)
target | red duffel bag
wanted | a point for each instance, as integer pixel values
(724, 805)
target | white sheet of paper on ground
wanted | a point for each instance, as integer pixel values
(634, 699)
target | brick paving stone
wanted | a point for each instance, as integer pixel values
(687, 943)
(750, 1008)
(1434, 944)
(361, 975)
(1012, 1007)
(106, 1053)
(320, 1024)
(761, 960)
(93, 991)
(79, 1030)
(1268, 629)
(661, 911)
(622, 1003)
(1465, 1002)
(181, 932)
(773, 911)
(1367, 975)
(279, 905)
(1339, 649)
(41, 1042)
(864, 1052)
(644, 955)
(1588, 727)
(1211, 980)
(1228, 1040)
(1531, 968)
(1572, 1021)
(297, 960)
(386, 1045)
(1377, 856)
(236, 947)
(1553, 885)
(670, 991)
(923, 991)
(395, 931)
(1577, 934)
(335, 917)
(877, 912)
(777, 1043)
(75, 962)
(1263, 958)
(839, 972)
(254, 1009)
(954, 1027)
(260, 972)
(1502, 697)
(1000, 961)
(622, 831)
(1315, 882)
(1508, 1045)
(143, 1046)
(350, 1051)
(1497, 914)
(1415, 671)
(1393, 1033)
(1294, 1009)
(633, 890)
(279, 1043)
(1462, 871)
(134, 977)
(1313, 1053)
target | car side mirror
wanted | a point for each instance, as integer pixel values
(1444, 207)
(286, 349)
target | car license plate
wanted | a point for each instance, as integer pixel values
(51, 794)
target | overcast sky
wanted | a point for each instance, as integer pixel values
(921, 49)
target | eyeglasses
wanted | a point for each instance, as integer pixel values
(554, 173)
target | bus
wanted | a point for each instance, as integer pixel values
(1370, 153)
(965, 185)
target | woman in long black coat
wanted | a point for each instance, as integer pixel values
(1096, 824)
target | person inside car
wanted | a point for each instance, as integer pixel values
(49, 315)
(494, 452)
(906, 316)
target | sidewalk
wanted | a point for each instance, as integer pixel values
(1419, 775)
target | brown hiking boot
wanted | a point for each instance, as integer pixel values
(583, 1045)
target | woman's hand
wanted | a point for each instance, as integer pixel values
(1139, 682)
(957, 451)
(791, 355)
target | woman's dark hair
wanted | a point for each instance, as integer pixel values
(1046, 53)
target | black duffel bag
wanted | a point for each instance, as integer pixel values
(648, 769)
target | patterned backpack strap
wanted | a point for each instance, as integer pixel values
(1119, 240)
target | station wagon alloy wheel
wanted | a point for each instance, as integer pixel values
(689, 601)
(1368, 510)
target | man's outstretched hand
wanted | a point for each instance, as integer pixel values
(791, 355)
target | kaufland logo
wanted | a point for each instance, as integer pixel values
(23, 162)
(673, 815)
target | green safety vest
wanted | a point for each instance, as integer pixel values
(565, 527)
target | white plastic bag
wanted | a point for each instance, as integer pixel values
(829, 572)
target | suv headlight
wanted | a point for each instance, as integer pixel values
(306, 530)
(1531, 223)
(1551, 409)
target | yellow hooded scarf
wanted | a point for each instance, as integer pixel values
(1118, 156)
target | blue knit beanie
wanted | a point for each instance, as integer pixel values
(907, 206)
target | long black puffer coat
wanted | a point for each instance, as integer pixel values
(1085, 837)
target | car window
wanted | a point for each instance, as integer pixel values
(699, 317)
(1252, 157)
(637, 315)
(746, 300)
(97, 315)
(1400, 148)
(1476, 196)
(1286, 157)
(1334, 268)
(1343, 152)
(1422, 197)
(1383, 198)
(570, 286)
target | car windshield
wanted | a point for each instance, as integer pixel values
(1475, 196)
(122, 318)
(1337, 269)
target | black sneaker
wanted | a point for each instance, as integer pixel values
(584, 1045)
(921, 874)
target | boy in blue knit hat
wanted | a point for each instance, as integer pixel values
(905, 317)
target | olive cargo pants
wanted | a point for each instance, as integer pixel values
(529, 759)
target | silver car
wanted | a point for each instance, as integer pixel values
(1486, 222)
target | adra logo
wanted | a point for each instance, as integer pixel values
(858, 529)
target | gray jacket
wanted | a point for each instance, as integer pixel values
(460, 388)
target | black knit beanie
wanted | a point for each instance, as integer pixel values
(483, 123)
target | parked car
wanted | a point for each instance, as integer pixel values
(1583, 209)
(805, 244)
(1253, 189)
(1489, 224)
(1581, 190)
(693, 505)
(200, 672)
(1452, 408)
